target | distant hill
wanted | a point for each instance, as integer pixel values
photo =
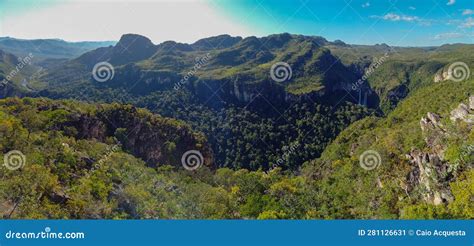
(15, 74)
(49, 48)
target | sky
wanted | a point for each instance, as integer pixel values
(395, 22)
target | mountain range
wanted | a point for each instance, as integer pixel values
(282, 122)
(49, 48)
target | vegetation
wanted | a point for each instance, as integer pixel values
(66, 176)
(272, 150)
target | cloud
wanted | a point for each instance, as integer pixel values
(366, 5)
(159, 20)
(451, 2)
(411, 8)
(449, 35)
(405, 18)
(468, 23)
(396, 17)
(468, 12)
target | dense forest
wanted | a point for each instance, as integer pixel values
(292, 149)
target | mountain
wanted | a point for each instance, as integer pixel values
(48, 48)
(217, 42)
(130, 48)
(250, 59)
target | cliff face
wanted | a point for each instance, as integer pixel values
(154, 139)
(432, 173)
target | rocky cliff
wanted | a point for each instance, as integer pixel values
(432, 172)
(154, 139)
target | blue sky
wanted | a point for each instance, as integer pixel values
(403, 22)
(395, 22)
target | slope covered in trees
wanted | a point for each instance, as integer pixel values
(69, 175)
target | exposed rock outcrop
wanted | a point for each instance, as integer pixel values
(431, 173)
(433, 130)
(461, 113)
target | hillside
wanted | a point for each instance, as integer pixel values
(16, 74)
(425, 158)
(77, 165)
(48, 48)
(398, 71)
(74, 160)
(67, 159)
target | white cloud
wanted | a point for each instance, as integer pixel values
(366, 5)
(467, 12)
(392, 17)
(451, 2)
(411, 8)
(449, 35)
(159, 20)
(468, 23)
(405, 18)
(396, 17)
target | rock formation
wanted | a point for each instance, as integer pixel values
(431, 173)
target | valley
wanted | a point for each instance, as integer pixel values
(281, 142)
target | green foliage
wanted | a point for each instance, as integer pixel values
(69, 175)
(461, 208)
(345, 190)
